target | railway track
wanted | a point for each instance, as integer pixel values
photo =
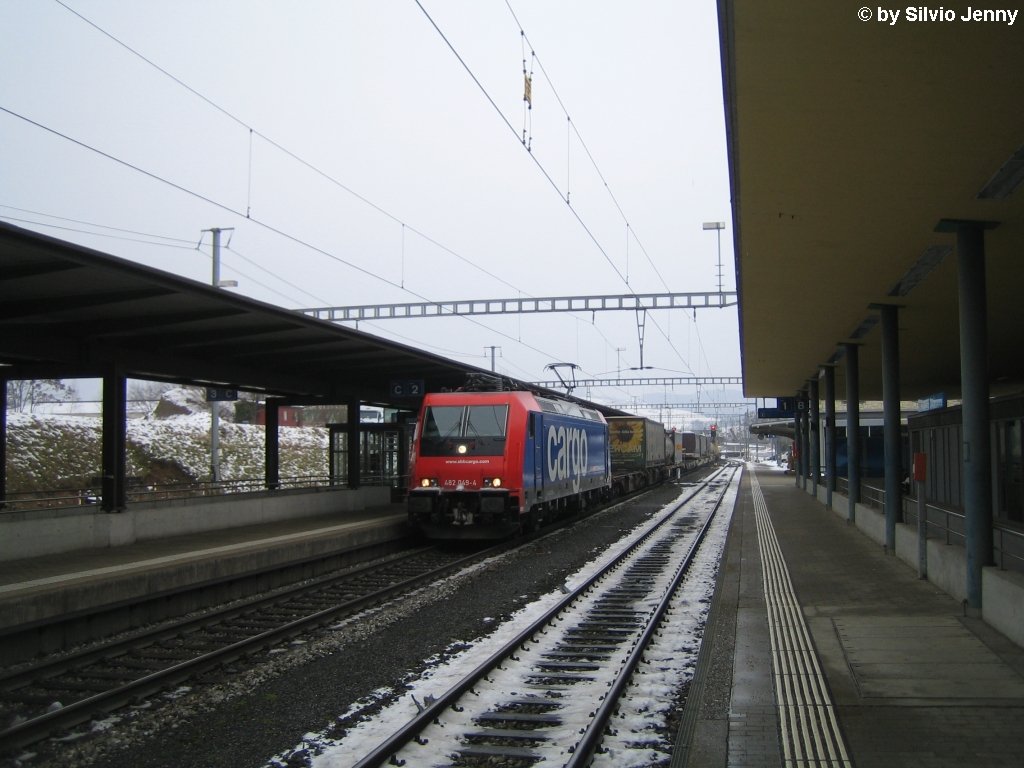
(60, 692)
(548, 695)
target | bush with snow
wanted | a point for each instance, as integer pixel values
(46, 452)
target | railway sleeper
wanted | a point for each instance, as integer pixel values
(578, 646)
(538, 719)
(108, 674)
(545, 678)
(31, 698)
(541, 702)
(569, 665)
(77, 685)
(610, 644)
(203, 637)
(629, 630)
(505, 734)
(177, 652)
(143, 663)
(603, 633)
(254, 623)
(625, 596)
(615, 621)
(595, 657)
(616, 632)
(487, 751)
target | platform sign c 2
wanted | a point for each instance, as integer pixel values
(407, 388)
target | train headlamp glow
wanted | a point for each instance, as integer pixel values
(492, 482)
(462, 448)
(428, 482)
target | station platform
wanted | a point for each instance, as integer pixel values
(35, 590)
(823, 650)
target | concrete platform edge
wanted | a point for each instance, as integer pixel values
(75, 593)
(702, 737)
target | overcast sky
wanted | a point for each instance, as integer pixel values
(359, 161)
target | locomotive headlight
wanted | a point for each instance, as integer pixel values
(428, 482)
(462, 448)
(492, 482)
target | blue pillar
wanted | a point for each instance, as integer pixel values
(977, 451)
(113, 483)
(853, 428)
(891, 422)
(804, 465)
(797, 448)
(272, 443)
(354, 445)
(829, 374)
(815, 435)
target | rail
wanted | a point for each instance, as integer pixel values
(126, 669)
(592, 732)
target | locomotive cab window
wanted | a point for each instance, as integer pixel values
(442, 421)
(486, 421)
(474, 430)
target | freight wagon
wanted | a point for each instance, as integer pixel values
(641, 452)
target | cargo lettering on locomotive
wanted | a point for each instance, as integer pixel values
(567, 454)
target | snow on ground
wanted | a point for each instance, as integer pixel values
(43, 444)
(672, 658)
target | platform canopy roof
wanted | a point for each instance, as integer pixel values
(850, 140)
(70, 312)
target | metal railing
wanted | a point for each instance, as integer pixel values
(950, 525)
(64, 498)
(873, 497)
(20, 501)
(1008, 548)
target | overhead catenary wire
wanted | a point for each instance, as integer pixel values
(248, 200)
(278, 278)
(172, 242)
(527, 95)
(264, 225)
(181, 243)
(253, 132)
(575, 129)
(608, 189)
(572, 126)
(540, 165)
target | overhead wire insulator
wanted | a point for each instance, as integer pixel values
(527, 94)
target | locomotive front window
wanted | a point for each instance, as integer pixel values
(442, 421)
(486, 420)
(474, 430)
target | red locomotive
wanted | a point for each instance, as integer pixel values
(491, 464)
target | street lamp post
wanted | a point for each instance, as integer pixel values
(214, 413)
